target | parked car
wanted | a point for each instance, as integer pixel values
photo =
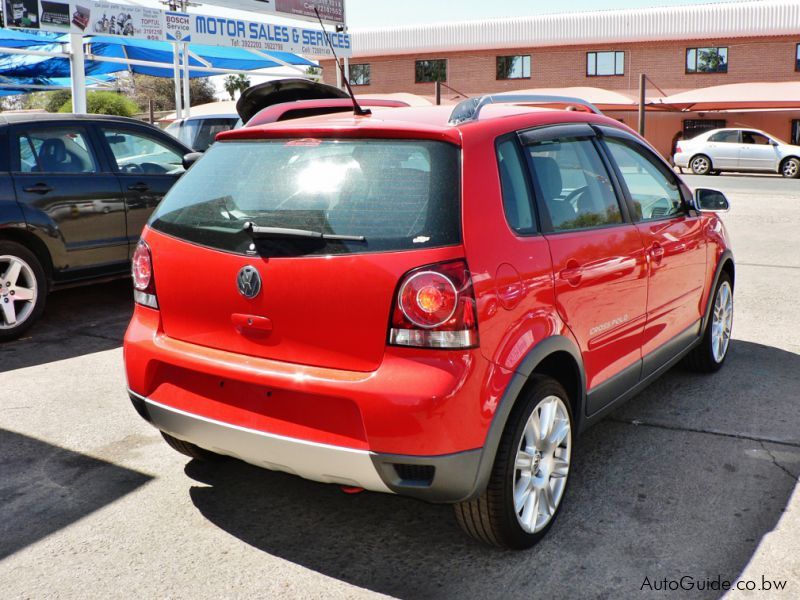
(720, 150)
(207, 120)
(424, 303)
(75, 192)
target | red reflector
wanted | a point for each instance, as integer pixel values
(428, 299)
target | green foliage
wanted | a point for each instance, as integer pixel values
(161, 90)
(105, 103)
(236, 83)
(55, 100)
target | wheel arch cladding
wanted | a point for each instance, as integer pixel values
(557, 357)
(32, 243)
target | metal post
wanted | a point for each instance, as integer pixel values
(642, 88)
(338, 76)
(176, 74)
(78, 73)
(438, 91)
(347, 68)
(187, 104)
(150, 116)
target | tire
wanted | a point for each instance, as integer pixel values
(189, 449)
(23, 290)
(710, 354)
(491, 517)
(700, 164)
(790, 168)
(715, 172)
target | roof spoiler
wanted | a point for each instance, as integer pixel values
(298, 109)
(470, 109)
(257, 97)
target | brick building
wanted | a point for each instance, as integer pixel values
(679, 48)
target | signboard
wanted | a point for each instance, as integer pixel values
(105, 18)
(331, 11)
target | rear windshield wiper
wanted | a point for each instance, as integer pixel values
(283, 232)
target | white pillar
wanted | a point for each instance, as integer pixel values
(338, 74)
(187, 104)
(347, 69)
(176, 74)
(78, 73)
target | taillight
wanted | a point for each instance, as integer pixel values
(435, 308)
(144, 285)
(678, 147)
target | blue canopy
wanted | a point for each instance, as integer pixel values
(237, 59)
(11, 38)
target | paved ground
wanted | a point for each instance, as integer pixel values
(695, 477)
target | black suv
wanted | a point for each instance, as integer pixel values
(75, 192)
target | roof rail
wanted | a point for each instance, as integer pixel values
(470, 109)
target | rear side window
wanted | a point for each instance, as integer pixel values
(726, 137)
(399, 195)
(57, 150)
(516, 198)
(573, 184)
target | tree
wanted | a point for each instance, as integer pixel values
(105, 103)
(161, 90)
(236, 83)
(55, 100)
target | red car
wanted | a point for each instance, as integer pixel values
(431, 302)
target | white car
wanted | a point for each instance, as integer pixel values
(737, 150)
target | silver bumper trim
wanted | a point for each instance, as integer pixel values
(311, 460)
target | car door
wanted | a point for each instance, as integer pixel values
(66, 188)
(757, 152)
(723, 149)
(598, 258)
(147, 162)
(675, 247)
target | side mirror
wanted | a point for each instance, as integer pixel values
(710, 200)
(190, 159)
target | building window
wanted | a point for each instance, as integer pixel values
(706, 60)
(795, 137)
(427, 71)
(797, 58)
(600, 64)
(359, 74)
(513, 67)
(693, 127)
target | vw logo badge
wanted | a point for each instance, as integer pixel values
(248, 281)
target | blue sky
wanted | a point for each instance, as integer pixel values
(382, 13)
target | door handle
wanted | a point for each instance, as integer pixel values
(657, 252)
(39, 188)
(572, 274)
(139, 187)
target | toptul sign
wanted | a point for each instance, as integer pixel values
(331, 11)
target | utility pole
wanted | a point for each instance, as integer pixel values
(642, 90)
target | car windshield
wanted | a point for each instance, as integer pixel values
(397, 194)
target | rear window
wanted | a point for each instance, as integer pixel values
(398, 195)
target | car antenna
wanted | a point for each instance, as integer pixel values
(357, 110)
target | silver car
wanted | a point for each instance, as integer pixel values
(737, 150)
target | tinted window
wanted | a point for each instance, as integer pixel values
(430, 70)
(199, 134)
(573, 184)
(360, 74)
(706, 60)
(56, 150)
(516, 198)
(139, 153)
(513, 67)
(652, 188)
(400, 195)
(728, 137)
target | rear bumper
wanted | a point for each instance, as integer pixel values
(681, 159)
(448, 478)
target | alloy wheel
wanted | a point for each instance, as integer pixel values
(700, 165)
(18, 291)
(790, 168)
(542, 464)
(722, 321)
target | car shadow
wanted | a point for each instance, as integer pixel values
(75, 322)
(44, 488)
(645, 501)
